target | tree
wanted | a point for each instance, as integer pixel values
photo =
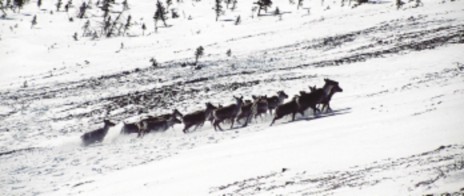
(125, 5)
(263, 5)
(160, 14)
(94, 35)
(153, 62)
(58, 5)
(359, 2)
(113, 25)
(106, 24)
(399, 3)
(168, 3)
(143, 28)
(66, 7)
(228, 3)
(106, 5)
(34, 21)
(75, 37)
(234, 5)
(198, 53)
(218, 9)
(8, 4)
(238, 20)
(18, 3)
(85, 28)
(300, 3)
(128, 24)
(174, 14)
(277, 11)
(2, 8)
(39, 3)
(229, 53)
(82, 10)
(253, 10)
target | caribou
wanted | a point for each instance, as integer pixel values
(97, 135)
(197, 118)
(227, 112)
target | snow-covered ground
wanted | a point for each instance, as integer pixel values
(396, 128)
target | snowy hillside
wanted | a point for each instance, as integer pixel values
(396, 129)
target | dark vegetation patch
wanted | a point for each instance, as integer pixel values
(196, 80)
(30, 149)
(82, 183)
(445, 35)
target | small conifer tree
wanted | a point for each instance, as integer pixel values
(106, 6)
(238, 20)
(399, 3)
(153, 62)
(234, 5)
(106, 24)
(82, 10)
(199, 53)
(143, 28)
(263, 5)
(218, 9)
(85, 28)
(174, 14)
(34, 21)
(128, 24)
(58, 5)
(125, 5)
(17, 3)
(160, 14)
(300, 3)
(2, 8)
(75, 37)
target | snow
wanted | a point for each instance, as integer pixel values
(395, 128)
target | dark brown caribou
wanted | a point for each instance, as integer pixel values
(245, 112)
(276, 100)
(157, 124)
(134, 127)
(197, 118)
(316, 96)
(260, 105)
(282, 110)
(227, 112)
(97, 135)
(326, 101)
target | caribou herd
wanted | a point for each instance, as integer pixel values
(241, 110)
